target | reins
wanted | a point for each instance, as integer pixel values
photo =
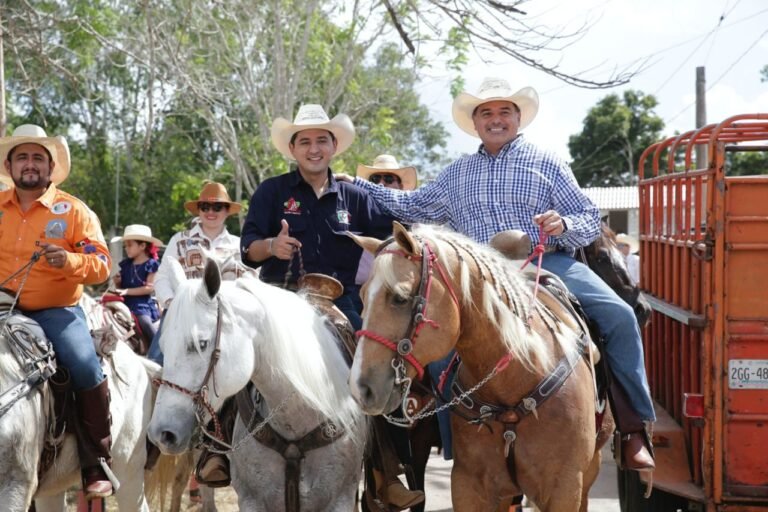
(200, 397)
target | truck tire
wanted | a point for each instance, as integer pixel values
(631, 491)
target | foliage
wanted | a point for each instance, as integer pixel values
(747, 163)
(615, 133)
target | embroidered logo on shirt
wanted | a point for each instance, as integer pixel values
(89, 249)
(61, 208)
(343, 216)
(102, 257)
(292, 207)
(82, 243)
(55, 229)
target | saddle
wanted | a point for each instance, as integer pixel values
(516, 245)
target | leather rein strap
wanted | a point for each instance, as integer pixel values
(200, 397)
(292, 451)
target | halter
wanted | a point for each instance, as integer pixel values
(200, 397)
(404, 347)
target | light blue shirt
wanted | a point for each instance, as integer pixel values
(480, 195)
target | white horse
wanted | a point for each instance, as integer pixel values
(23, 432)
(276, 340)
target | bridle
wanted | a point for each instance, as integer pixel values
(200, 397)
(404, 348)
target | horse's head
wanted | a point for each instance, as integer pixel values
(207, 358)
(605, 259)
(411, 318)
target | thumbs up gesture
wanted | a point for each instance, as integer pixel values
(283, 245)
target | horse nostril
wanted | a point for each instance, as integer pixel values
(168, 438)
(366, 393)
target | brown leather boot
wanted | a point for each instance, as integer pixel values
(395, 494)
(94, 441)
(213, 468)
(635, 454)
(632, 443)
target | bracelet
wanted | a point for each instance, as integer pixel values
(270, 247)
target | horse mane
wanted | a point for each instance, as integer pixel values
(298, 347)
(506, 295)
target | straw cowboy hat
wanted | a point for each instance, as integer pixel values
(213, 193)
(623, 238)
(495, 89)
(140, 233)
(387, 164)
(312, 117)
(31, 133)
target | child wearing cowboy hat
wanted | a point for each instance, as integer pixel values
(136, 278)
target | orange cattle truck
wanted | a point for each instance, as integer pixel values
(704, 269)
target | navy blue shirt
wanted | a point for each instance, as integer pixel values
(319, 223)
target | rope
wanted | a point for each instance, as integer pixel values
(28, 267)
(538, 252)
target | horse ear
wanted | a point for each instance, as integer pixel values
(369, 244)
(405, 240)
(212, 278)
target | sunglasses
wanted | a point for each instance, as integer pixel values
(388, 179)
(217, 207)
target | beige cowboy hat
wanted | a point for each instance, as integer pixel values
(212, 193)
(31, 133)
(140, 233)
(312, 117)
(623, 238)
(387, 164)
(494, 89)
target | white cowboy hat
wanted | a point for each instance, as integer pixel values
(494, 89)
(31, 133)
(140, 233)
(312, 117)
(387, 164)
(623, 238)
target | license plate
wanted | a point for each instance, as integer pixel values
(748, 374)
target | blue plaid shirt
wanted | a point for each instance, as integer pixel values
(481, 195)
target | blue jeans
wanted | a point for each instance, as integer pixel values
(154, 353)
(351, 305)
(435, 369)
(617, 323)
(68, 332)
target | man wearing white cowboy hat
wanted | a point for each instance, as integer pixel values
(308, 211)
(510, 183)
(36, 218)
(628, 246)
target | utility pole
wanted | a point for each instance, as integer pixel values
(701, 115)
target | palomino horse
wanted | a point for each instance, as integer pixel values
(24, 429)
(605, 259)
(219, 336)
(525, 366)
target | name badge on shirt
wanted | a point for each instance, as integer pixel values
(55, 229)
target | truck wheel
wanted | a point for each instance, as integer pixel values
(631, 491)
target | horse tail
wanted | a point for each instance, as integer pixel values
(158, 481)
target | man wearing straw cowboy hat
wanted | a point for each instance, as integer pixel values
(510, 183)
(628, 246)
(308, 213)
(36, 218)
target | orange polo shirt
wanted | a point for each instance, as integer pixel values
(55, 218)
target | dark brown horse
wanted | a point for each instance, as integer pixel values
(605, 259)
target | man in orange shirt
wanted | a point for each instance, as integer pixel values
(37, 217)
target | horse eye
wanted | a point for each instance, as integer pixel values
(400, 300)
(203, 344)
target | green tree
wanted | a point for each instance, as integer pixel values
(615, 133)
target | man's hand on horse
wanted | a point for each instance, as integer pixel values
(551, 222)
(55, 256)
(283, 245)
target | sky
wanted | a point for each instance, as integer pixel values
(671, 38)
